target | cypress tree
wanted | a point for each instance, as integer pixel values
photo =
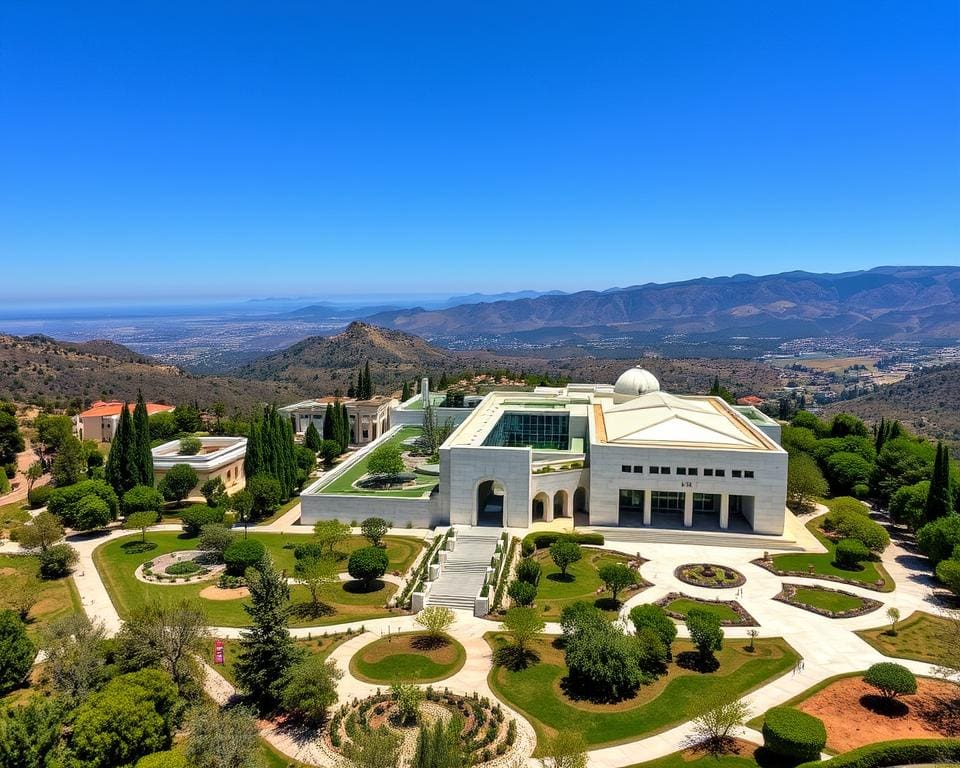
(881, 434)
(121, 470)
(405, 392)
(311, 438)
(367, 382)
(329, 427)
(253, 461)
(345, 426)
(939, 501)
(141, 431)
(352, 389)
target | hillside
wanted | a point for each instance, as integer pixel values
(927, 402)
(37, 367)
(882, 303)
(323, 364)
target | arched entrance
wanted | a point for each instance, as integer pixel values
(540, 507)
(490, 498)
(581, 515)
(561, 504)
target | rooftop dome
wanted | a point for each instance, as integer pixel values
(635, 382)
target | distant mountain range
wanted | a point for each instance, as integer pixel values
(881, 303)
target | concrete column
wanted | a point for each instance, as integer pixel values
(548, 510)
(647, 507)
(688, 509)
(724, 510)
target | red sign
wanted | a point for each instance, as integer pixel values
(218, 651)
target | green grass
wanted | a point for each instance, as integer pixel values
(116, 567)
(321, 645)
(397, 659)
(823, 565)
(344, 483)
(582, 582)
(676, 697)
(827, 600)
(922, 637)
(698, 760)
(273, 759)
(13, 514)
(57, 598)
(723, 612)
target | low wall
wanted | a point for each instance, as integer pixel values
(399, 511)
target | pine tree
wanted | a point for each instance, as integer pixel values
(405, 392)
(939, 500)
(311, 438)
(329, 424)
(121, 469)
(141, 430)
(266, 649)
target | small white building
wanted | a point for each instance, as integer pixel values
(99, 422)
(221, 457)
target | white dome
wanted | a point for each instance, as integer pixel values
(635, 382)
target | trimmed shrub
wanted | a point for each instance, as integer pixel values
(543, 539)
(522, 592)
(90, 513)
(843, 504)
(310, 551)
(938, 538)
(891, 679)
(63, 501)
(243, 554)
(183, 568)
(367, 564)
(853, 525)
(528, 570)
(39, 496)
(793, 734)
(168, 759)
(199, 515)
(55, 561)
(190, 446)
(948, 572)
(850, 553)
(650, 616)
(216, 538)
(142, 498)
(899, 752)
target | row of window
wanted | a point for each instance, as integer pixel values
(657, 470)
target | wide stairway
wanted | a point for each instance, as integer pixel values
(693, 536)
(465, 569)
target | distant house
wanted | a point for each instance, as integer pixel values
(219, 457)
(99, 421)
(753, 400)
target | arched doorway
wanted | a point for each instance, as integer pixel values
(561, 505)
(490, 498)
(540, 508)
(581, 515)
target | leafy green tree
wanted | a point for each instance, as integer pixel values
(187, 418)
(168, 758)
(378, 748)
(214, 492)
(242, 555)
(720, 391)
(140, 521)
(123, 471)
(41, 532)
(216, 538)
(580, 615)
(170, 636)
(522, 592)
(266, 493)
(142, 498)
(162, 426)
(891, 679)
(11, 441)
(565, 750)
(55, 561)
(222, 738)
(34, 472)
(52, 432)
(329, 534)
(901, 461)
(70, 463)
(312, 438)
(374, 528)
(17, 651)
(805, 482)
(650, 616)
(406, 697)
(329, 450)
(522, 625)
(847, 470)
(705, 632)
(190, 446)
(317, 574)
(266, 649)
(844, 424)
(329, 427)
(908, 504)
(177, 483)
(939, 539)
(948, 573)
(90, 513)
(605, 662)
(63, 502)
(143, 456)
(617, 577)
(29, 734)
(385, 460)
(713, 728)
(565, 553)
(241, 503)
(75, 656)
(436, 620)
(367, 564)
(405, 392)
(311, 689)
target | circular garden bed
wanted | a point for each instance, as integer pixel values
(730, 612)
(710, 575)
(489, 735)
(833, 603)
(411, 657)
(182, 567)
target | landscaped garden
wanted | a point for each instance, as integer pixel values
(410, 657)
(118, 560)
(539, 692)
(45, 600)
(833, 603)
(710, 575)
(320, 645)
(729, 612)
(922, 637)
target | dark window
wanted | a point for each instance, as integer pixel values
(624, 467)
(708, 473)
(664, 470)
(720, 472)
(681, 470)
(637, 469)
(736, 473)
(692, 470)
(654, 470)
(748, 473)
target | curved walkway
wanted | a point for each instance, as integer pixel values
(827, 646)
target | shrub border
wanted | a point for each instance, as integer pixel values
(738, 582)
(889, 753)
(746, 620)
(787, 595)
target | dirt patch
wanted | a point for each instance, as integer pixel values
(733, 747)
(932, 713)
(6, 571)
(214, 592)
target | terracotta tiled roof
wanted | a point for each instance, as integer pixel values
(101, 408)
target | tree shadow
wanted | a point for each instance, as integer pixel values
(586, 690)
(767, 759)
(138, 547)
(882, 705)
(696, 662)
(515, 659)
(430, 642)
(355, 587)
(307, 610)
(563, 578)
(607, 604)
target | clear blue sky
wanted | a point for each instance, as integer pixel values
(285, 148)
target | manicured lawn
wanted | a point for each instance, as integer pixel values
(823, 565)
(117, 566)
(13, 514)
(689, 759)
(827, 599)
(921, 636)
(721, 611)
(273, 759)
(321, 645)
(676, 697)
(56, 598)
(344, 483)
(582, 582)
(405, 658)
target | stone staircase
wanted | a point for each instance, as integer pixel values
(465, 569)
(697, 538)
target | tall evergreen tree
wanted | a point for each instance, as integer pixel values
(939, 499)
(345, 437)
(141, 430)
(267, 652)
(121, 469)
(329, 425)
(311, 438)
(405, 392)
(253, 461)
(352, 389)
(367, 382)
(881, 434)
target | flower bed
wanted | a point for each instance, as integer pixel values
(182, 567)
(721, 607)
(710, 575)
(877, 586)
(835, 603)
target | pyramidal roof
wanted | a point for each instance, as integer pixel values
(659, 417)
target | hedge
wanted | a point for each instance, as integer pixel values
(543, 539)
(850, 553)
(843, 504)
(39, 495)
(888, 753)
(852, 525)
(793, 734)
(199, 515)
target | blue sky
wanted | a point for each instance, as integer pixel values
(250, 149)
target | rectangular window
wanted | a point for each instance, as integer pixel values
(637, 469)
(720, 472)
(748, 473)
(664, 470)
(692, 470)
(708, 473)
(624, 467)
(681, 470)
(736, 473)
(654, 470)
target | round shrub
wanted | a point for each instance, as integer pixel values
(243, 554)
(168, 759)
(142, 498)
(89, 513)
(937, 539)
(948, 572)
(39, 496)
(850, 553)
(190, 446)
(528, 570)
(183, 568)
(853, 525)
(367, 564)
(309, 551)
(793, 734)
(891, 679)
(843, 504)
(63, 501)
(522, 592)
(199, 515)
(650, 616)
(55, 561)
